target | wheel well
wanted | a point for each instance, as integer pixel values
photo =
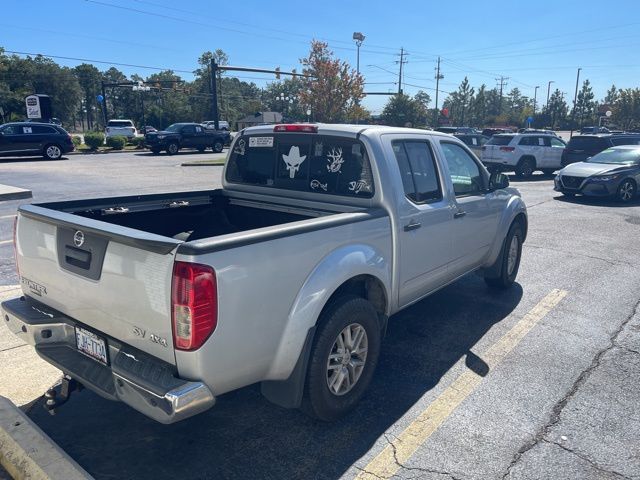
(365, 286)
(530, 157)
(521, 218)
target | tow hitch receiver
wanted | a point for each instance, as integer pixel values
(53, 400)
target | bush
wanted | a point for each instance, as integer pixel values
(138, 142)
(93, 140)
(117, 143)
(77, 141)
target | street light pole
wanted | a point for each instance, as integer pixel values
(535, 97)
(548, 91)
(359, 38)
(575, 100)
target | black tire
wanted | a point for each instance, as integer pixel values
(627, 191)
(201, 149)
(52, 151)
(526, 167)
(173, 148)
(548, 171)
(506, 277)
(218, 146)
(319, 401)
(155, 151)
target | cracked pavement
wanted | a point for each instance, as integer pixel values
(562, 405)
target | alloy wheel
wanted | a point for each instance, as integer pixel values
(347, 359)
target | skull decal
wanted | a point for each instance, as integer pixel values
(293, 160)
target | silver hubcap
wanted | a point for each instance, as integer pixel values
(53, 152)
(347, 359)
(173, 148)
(626, 191)
(512, 257)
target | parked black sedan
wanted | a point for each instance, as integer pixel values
(614, 172)
(185, 135)
(31, 138)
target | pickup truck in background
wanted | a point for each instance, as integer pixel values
(286, 276)
(186, 135)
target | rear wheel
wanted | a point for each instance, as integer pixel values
(343, 358)
(510, 262)
(52, 152)
(526, 167)
(626, 191)
(218, 146)
(548, 171)
(156, 151)
(201, 149)
(172, 148)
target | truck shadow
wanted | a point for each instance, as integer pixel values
(597, 202)
(245, 437)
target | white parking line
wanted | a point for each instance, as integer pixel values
(7, 216)
(3, 242)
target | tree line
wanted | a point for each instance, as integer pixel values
(330, 91)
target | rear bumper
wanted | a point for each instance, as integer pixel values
(133, 377)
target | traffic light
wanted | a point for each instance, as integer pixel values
(277, 73)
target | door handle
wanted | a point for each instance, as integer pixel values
(412, 226)
(459, 214)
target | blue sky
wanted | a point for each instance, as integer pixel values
(531, 43)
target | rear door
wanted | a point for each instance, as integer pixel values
(553, 152)
(476, 212)
(189, 136)
(424, 218)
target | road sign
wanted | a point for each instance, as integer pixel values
(529, 119)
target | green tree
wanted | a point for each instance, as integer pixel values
(585, 104)
(89, 78)
(626, 111)
(405, 111)
(612, 95)
(557, 108)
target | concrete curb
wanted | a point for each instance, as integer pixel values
(26, 452)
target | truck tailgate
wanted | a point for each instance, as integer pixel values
(100, 275)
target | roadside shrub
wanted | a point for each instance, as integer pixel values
(117, 143)
(137, 142)
(93, 140)
(77, 141)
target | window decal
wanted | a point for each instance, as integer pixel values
(261, 142)
(293, 160)
(240, 147)
(27, 130)
(334, 157)
(315, 185)
(358, 186)
(318, 150)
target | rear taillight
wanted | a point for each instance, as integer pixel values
(15, 242)
(194, 304)
(507, 149)
(296, 127)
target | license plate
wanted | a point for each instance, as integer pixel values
(91, 344)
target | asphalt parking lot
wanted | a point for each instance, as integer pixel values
(540, 381)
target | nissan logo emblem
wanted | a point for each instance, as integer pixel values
(78, 238)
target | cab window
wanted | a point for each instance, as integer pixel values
(464, 171)
(418, 170)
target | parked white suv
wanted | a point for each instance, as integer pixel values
(123, 128)
(523, 153)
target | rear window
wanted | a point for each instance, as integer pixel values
(500, 140)
(119, 123)
(302, 162)
(587, 143)
(625, 141)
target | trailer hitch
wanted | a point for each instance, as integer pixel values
(54, 401)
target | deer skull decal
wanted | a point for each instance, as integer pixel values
(293, 160)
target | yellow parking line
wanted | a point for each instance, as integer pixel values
(400, 449)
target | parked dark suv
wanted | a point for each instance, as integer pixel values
(581, 147)
(31, 138)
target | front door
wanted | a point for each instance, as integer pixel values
(554, 151)
(188, 136)
(475, 215)
(423, 221)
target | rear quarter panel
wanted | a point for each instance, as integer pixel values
(270, 294)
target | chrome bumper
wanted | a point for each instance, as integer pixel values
(133, 377)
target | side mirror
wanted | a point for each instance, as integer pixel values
(498, 180)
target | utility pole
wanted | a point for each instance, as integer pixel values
(400, 73)
(104, 104)
(535, 97)
(575, 100)
(214, 94)
(548, 91)
(503, 83)
(439, 77)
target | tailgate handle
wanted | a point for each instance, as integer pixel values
(77, 257)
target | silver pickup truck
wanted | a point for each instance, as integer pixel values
(286, 276)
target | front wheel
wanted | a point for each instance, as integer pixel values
(626, 191)
(172, 148)
(343, 358)
(52, 152)
(510, 262)
(218, 146)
